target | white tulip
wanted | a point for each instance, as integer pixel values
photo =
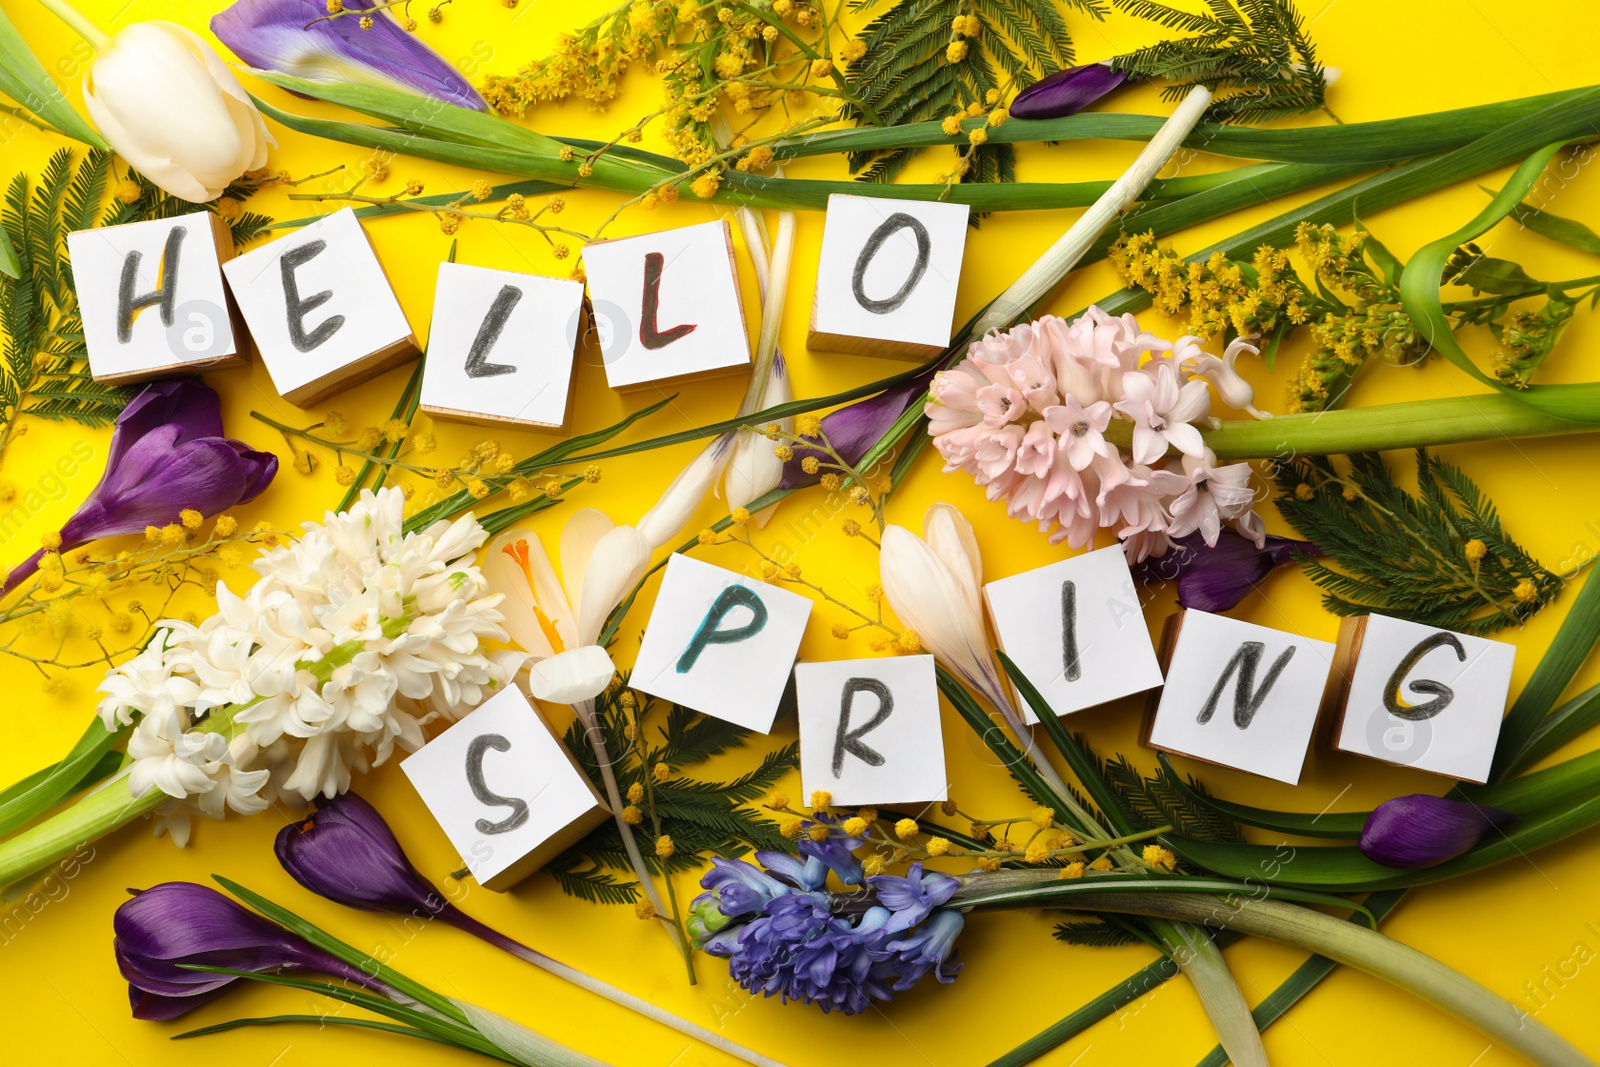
(558, 621)
(174, 110)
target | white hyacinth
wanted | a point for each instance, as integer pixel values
(355, 637)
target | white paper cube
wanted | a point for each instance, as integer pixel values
(887, 275)
(1076, 631)
(501, 347)
(1242, 695)
(720, 643)
(141, 317)
(1426, 698)
(320, 309)
(666, 305)
(869, 730)
(504, 790)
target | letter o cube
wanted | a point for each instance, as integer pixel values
(887, 276)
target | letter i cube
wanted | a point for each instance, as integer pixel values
(1238, 695)
(720, 643)
(666, 306)
(1421, 697)
(152, 297)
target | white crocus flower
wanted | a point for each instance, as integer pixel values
(558, 621)
(682, 499)
(934, 584)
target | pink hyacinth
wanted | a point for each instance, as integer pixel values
(1030, 412)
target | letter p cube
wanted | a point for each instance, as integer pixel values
(720, 643)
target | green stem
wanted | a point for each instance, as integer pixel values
(62, 834)
(78, 22)
(1448, 420)
(1355, 946)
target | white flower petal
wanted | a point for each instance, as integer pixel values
(580, 674)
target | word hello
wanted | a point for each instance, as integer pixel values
(167, 297)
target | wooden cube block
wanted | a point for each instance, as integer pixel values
(1238, 695)
(720, 643)
(501, 347)
(320, 309)
(505, 791)
(887, 276)
(869, 730)
(1421, 697)
(1076, 630)
(666, 306)
(153, 300)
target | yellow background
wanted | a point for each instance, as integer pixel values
(1511, 926)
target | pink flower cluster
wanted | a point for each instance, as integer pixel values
(1029, 414)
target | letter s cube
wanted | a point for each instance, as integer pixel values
(505, 791)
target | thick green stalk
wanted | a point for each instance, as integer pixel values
(1347, 943)
(1383, 141)
(1446, 421)
(59, 836)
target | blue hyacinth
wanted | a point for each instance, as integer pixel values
(783, 933)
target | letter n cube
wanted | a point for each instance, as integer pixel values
(505, 791)
(720, 643)
(1422, 697)
(1239, 695)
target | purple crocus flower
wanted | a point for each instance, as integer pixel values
(855, 428)
(286, 36)
(1423, 831)
(177, 923)
(347, 853)
(1066, 92)
(167, 454)
(1216, 578)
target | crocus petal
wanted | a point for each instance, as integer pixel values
(619, 561)
(1215, 579)
(275, 35)
(187, 403)
(504, 575)
(950, 535)
(934, 603)
(572, 676)
(583, 531)
(1423, 831)
(683, 497)
(347, 853)
(1066, 92)
(855, 428)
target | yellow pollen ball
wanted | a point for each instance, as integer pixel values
(778, 800)
(905, 828)
(635, 793)
(632, 815)
(1101, 864)
(1525, 591)
(1042, 817)
(1072, 870)
(1475, 550)
(790, 826)
(855, 826)
(938, 846)
(821, 798)
(818, 833)
(664, 847)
